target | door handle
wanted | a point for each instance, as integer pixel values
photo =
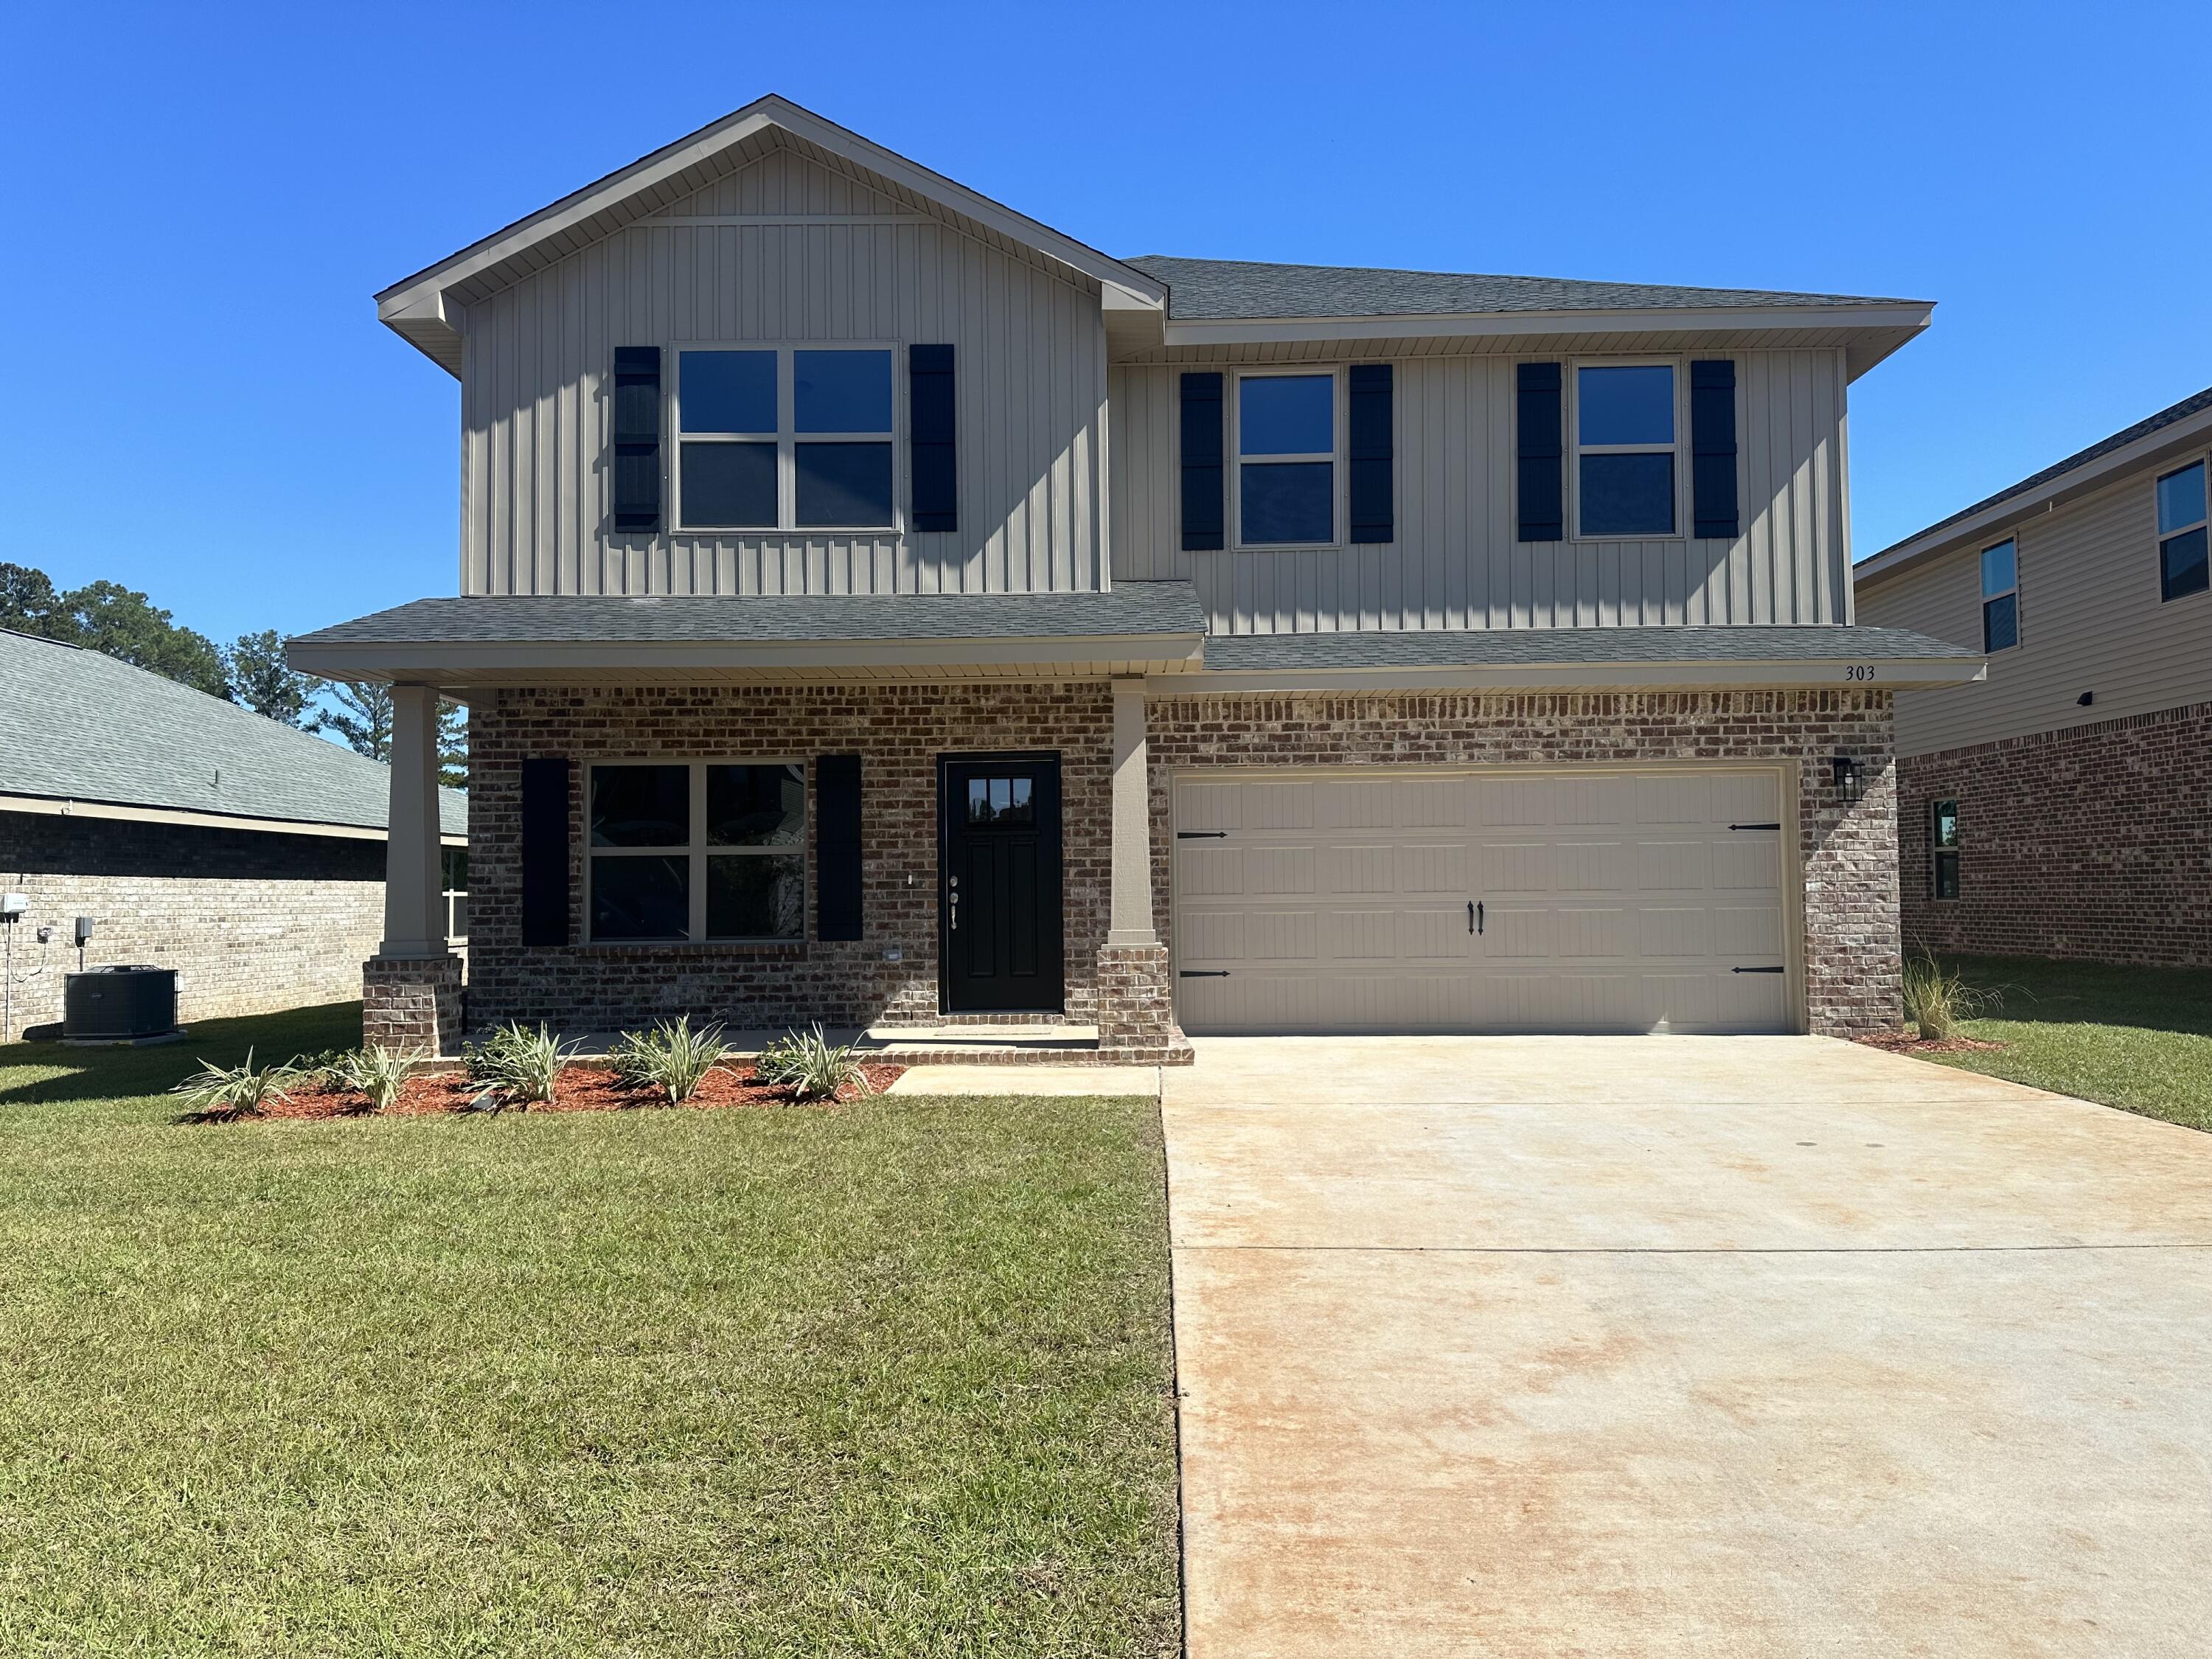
(1470, 915)
(1478, 915)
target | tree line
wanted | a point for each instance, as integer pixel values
(117, 622)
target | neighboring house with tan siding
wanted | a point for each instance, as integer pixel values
(194, 833)
(2063, 808)
(877, 606)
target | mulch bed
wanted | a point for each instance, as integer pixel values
(582, 1088)
(1904, 1042)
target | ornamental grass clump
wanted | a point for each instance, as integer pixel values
(1937, 998)
(215, 1095)
(374, 1071)
(810, 1066)
(671, 1059)
(516, 1066)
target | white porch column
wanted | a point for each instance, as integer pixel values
(413, 919)
(1132, 911)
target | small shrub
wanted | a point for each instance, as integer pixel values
(213, 1095)
(1937, 998)
(516, 1066)
(810, 1065)
(672, 1058)
(373, 1070)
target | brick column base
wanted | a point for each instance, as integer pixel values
(412, 1002)
(1136, 1008)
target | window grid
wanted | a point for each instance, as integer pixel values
(1331, 457)
(696, 851)
(786, 437)
(2001, 596)
(1671, 449)
(2182, 568)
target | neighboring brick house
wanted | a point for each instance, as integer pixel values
(878, 607)
(2064, 808)
(195, 835)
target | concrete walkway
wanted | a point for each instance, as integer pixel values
(1685, 1346)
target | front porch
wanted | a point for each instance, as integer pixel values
(877, 963)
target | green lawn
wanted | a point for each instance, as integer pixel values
(891, 1379)
(2139, 1038)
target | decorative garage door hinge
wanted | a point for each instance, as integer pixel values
(1755, 826)
(1202, 835)
(1755, 970)
(1203, 973)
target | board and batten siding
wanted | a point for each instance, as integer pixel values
(1457, 562)
(2090, 620)
(786, 251)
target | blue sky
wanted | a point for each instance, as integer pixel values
(201, 201)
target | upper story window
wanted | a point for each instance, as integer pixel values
(1286, 442)
(1625, 422)
(785, 438)
(695, 850)
(2181, 533)
(2000, 596)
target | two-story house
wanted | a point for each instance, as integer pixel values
(2064, 809)
(877, 606)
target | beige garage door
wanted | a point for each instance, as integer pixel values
(1539, 900)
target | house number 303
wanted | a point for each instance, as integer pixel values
(1859, 671)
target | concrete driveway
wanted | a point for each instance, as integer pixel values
(1722, 1346)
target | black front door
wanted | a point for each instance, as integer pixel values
(999, 861)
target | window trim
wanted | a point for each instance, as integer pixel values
(1570, 400)
(1937, 853)
(786, 440)
(2163, 535)
(1981, 584)
(1339, 499)
(696, 851)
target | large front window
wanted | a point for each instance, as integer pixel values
(1624, 467)
(698, 850)
(785, 438)
(2181, 525)
(1286, 460)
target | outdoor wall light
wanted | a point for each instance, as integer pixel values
(1848, 782)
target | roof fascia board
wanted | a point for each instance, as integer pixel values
(339, 659)
(70, 807)
(734, 129)
(1223, 332)
(1889, 674)
(2145, 452)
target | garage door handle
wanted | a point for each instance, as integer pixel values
(1755, 970)
(1755, 826)
(1203, 973)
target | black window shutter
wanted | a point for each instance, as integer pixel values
(1201, 462)
(837, 845)
(1370, 433)
(933, 460)
(1712, 448)
(545, 852)
(637, 438)
(1543, 489)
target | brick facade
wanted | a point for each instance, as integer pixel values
(2094, 842)
(1849, 850)
(252, 921)
(897, 731)
(1851, 951)
(412, 1003)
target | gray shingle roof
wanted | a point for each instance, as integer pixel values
(2103, 446)
(1228, 289)
(1526, 647)
(1133, 608)
(76, 726)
